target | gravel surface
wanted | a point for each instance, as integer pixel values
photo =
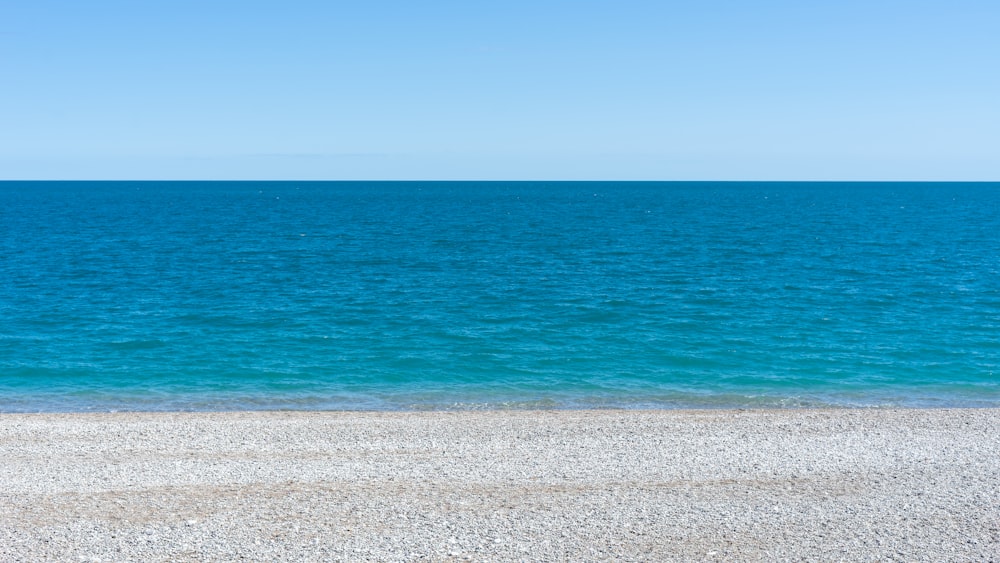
(907, 485)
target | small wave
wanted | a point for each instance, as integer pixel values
(137, 344)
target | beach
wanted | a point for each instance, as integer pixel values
(845, 484)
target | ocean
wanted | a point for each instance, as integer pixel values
(156, 296)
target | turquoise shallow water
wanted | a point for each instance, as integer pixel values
(424, 295)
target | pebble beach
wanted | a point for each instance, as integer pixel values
(847, 484)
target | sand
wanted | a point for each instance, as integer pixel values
(908, 485)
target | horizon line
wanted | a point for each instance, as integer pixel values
(416, 180)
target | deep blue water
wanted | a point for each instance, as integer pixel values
(355, 295)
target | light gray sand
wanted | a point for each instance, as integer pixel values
(626, 485)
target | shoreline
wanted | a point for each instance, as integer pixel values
(845, 484)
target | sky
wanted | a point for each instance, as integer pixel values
(513, 90)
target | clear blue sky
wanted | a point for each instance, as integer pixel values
(707, 89)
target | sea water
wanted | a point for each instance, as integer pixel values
(463, 295)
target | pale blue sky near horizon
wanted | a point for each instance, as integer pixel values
(599, 90)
